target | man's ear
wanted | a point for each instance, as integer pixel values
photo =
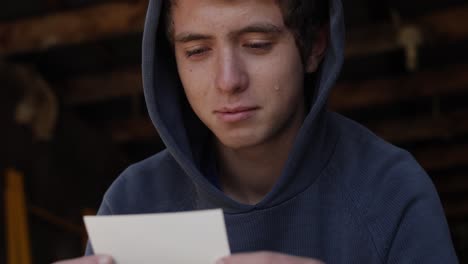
(318, 50)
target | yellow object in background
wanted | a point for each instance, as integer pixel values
(17, 231)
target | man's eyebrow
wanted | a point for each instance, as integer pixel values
(187, 37)
(266, 28)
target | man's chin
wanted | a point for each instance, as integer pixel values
(239, 142)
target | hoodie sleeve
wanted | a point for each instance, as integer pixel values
(406, 217)
(422, 234)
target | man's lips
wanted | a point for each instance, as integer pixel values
(230, 110)
(235, 114)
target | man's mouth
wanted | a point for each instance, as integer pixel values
(235, 114)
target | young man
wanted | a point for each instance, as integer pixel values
(237, 90)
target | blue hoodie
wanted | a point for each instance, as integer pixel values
(344, 195)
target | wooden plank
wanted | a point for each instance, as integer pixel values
(53, 4)
(132, 129)
(370, 40)
(359, 94)
(402, 130)
(57, 221)
(94, 23)
(443, 157)
(396, 131)
(345, 96)
(456, 211)
(454, 183)
(11, 223)
(89, 89)
(430, 158)
(72, 27)
(18, 242)
(441, 26)
(142, 129)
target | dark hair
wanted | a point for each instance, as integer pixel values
(303, 17)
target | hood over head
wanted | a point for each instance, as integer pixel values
(184, 135)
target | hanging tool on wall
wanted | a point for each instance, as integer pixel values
(410, 38)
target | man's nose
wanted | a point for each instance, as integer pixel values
(231, 76)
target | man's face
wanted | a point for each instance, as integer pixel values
(240, 68)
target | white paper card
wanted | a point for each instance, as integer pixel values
(167, 238)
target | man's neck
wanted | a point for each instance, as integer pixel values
(248, 174)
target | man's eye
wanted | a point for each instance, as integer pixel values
(195, 52)
(260, 45)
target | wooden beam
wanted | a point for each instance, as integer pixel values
(402, 130)
(101, 21)
(89, 89)
(72, 27)
(359, 94)
(18, 246)
(441, 26)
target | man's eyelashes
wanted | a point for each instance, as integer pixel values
(257, 46)
(260, 45)
(195, 52)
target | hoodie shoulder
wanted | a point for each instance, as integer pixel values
(153, 185)
(367, 162)
(392, 197)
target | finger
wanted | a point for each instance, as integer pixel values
(262, 257)
(245, 258)
(265, 258)
(97, 259)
